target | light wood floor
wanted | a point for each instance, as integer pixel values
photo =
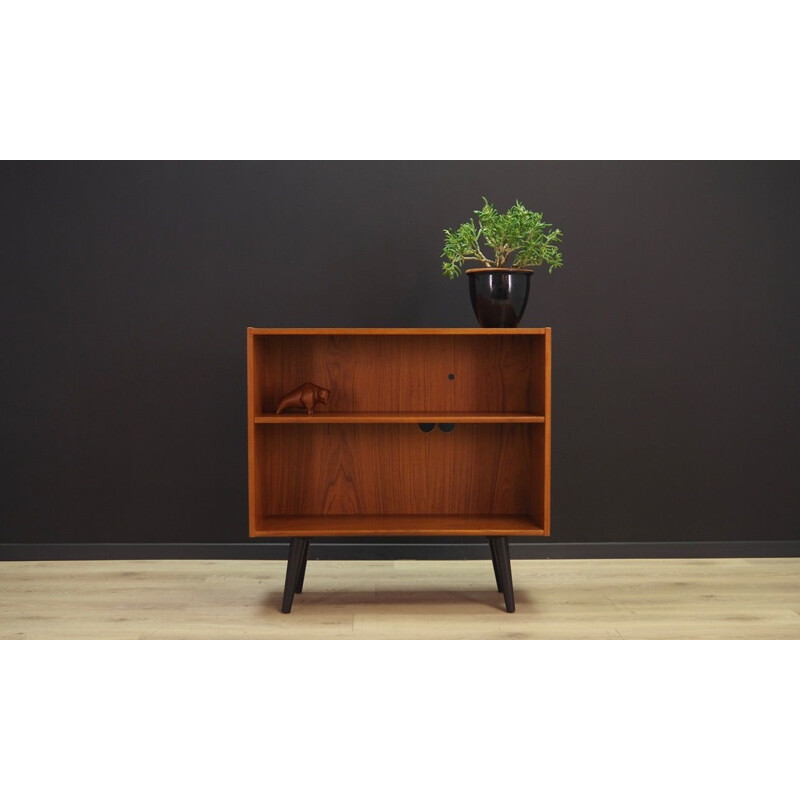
(602, 599)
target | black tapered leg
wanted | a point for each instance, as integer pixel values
(302, 576)
(504, 567)
(493, 551)
(293, 565)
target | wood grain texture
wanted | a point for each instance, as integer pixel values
(540, 436)
(399, 525)
(323, 417)
(364, 455)
(571, 599)
(548, 424)
(396, 331)
(401, 373)
(394, 469)
(254, 494)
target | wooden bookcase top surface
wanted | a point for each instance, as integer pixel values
(398, 331)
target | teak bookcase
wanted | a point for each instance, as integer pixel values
(364, 466)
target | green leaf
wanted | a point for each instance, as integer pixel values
(519, 237)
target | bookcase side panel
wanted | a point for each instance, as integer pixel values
(540, 434)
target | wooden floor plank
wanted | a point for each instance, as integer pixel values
(569, 599)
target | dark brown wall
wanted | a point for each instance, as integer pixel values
(127, 289)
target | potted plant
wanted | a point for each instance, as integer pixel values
(521, 239)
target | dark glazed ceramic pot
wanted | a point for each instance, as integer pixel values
(499, 296)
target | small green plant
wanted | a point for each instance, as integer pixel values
(519, 238)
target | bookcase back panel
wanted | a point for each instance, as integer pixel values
(404, 373)
(384, 469)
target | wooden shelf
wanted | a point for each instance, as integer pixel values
(399, 525)
(390, 417)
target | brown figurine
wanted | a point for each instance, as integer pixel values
(305, 396)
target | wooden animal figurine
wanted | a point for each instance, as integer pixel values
(305, 396)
